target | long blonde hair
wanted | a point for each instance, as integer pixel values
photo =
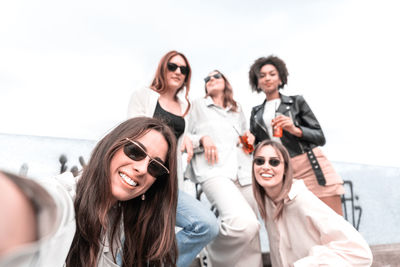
(228, 93)
(258, 190)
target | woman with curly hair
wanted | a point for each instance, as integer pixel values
(290, 121)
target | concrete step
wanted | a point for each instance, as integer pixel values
(266, 261)
(387, 255)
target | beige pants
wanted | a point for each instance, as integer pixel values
(238, 241)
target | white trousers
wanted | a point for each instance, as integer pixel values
(238, 241)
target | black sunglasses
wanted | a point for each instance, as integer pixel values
(216, 76)
(135, 152)
(259, 161)
(172, 67)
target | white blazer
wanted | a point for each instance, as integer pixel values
(143, 102)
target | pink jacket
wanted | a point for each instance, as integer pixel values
(309, 233)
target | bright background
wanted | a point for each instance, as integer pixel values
(68, 68)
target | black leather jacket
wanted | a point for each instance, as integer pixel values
(296, 108)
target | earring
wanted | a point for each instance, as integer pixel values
(143, 197)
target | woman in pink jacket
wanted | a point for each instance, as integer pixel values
(302, 230)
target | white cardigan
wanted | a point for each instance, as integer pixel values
(143, 102)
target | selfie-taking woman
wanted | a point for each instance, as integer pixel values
(122, 206)
(290, 121)
(167, 99)
(302, 230)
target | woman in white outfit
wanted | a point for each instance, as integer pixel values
(223, 170)
(302, 230)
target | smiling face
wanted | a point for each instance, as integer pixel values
(129, 178)
(215, 85)
(175, 79)
(267, 176)
(269, 80)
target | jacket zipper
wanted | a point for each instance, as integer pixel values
(262, 127)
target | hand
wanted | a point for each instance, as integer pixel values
(210, 150)
(287, 124)
(250, 137)
(188, 147)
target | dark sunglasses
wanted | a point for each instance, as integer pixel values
(272, 162)
(172, 67)
(216, 76)
(135, 152)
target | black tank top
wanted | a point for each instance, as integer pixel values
(175, 122)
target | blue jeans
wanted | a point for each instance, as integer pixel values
(199, 227)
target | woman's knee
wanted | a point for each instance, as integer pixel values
(253, 227)
(243, 228)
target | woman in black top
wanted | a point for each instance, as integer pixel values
(167, 99)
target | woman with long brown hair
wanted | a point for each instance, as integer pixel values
(130, 180)
(302, 230)
(167, 99)
(223, 171)
(121, 207)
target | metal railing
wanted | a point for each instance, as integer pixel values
(351, 212)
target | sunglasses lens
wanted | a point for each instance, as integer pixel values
(172, 66)
(217, 76)
(207, 79)
(155, 169)
(271, 162)
(184, 70)
(259, 161)
(274, 162)
(134, 152)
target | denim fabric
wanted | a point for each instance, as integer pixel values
(119, 253)
(199, 227)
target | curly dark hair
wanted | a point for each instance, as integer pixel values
(254, 72)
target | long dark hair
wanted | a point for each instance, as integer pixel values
(258, 190)
(149, 226)
(159, 82)
(228, 92)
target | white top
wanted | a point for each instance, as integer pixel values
(52, 247)
(270, 108)
(206, 118)
(309, 233)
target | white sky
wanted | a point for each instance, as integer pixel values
(67, 68)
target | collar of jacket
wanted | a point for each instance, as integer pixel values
(283, 108)
(210, 102)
